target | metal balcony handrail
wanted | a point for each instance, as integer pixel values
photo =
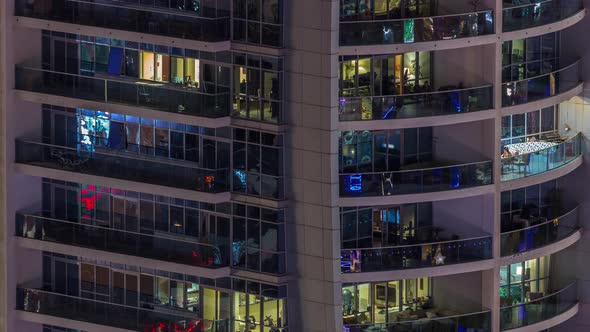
(573, 283)
(420, 244)
(526, 5)
(421, 93)
(420, 18)
(138, 81)
(424, 320)
(112, 304)
(112, 153)
(114, 229)
(543, 223)
(423, 169)
(144, 9)
(575, 63)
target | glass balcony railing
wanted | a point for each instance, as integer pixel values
(539, 13)
(553, 156)
(111, 314)
(416, 30)
(125, 166)
(416, 105)
(416, 181)
(416, 256)
(128, 17)
(541, 86)
(540, 235)
(170, 249)
(538, 310)
(480, 321)
(165, 98)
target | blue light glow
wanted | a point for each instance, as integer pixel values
(353, 183)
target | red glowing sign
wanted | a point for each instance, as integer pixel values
(89, 196)
(191, 326)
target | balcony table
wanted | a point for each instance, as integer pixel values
(529, 147)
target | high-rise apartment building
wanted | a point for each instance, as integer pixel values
(294, 166)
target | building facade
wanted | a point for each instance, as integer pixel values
(277, 165)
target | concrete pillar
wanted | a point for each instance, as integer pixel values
(17, 119)
(312, 160)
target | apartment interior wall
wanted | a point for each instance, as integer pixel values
(464, 299)
(465, 217)
(469, 66)
(463, 143)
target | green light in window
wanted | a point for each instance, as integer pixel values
(409, 31)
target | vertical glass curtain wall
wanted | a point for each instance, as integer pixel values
(532, 69)
(364, 22)
(252, 237)
(524, 281)
(257, 156)
(247, 304)
(184, 19)
(517, 16)
(163, 72)
(402, 86)
(529, 295)
(258, 22)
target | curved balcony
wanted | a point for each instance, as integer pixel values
(479, 321)
(124, 166)
(534, 158)
(111, 314)
(540, 13)
(417, 104)
(170, 248)
(416, 180)
(131, 92)
(416, 256)
(127, 17)
(540, 235)
(416, 30)
(539, 310)
(541, 86)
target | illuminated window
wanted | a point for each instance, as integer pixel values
(147, 65)
(386, 300)
(192, 72)
(525, 281)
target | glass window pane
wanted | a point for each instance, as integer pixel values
(518, 125)
(162, 291)
(548, 119)
(146, 288)
(532, 122)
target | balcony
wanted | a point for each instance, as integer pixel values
(416, 30)
(539, 310)
(110, 314)
(124, 166)
(416, 105)
(540, 13)
(431, 254)
(416, 181)
(533, 158)
(539, 235)
(134, 18)
(541, 86)
(170, 248)
(480, 321)
(131, 92)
